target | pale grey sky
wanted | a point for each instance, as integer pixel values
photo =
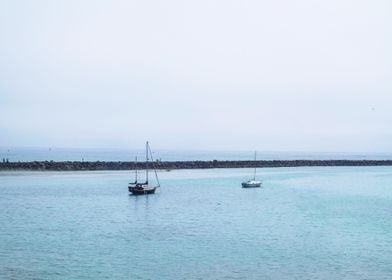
(302, 75)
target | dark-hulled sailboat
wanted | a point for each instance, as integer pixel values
(140, 188)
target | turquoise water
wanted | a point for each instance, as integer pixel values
(305, 223)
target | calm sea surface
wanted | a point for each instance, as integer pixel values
(305, 223)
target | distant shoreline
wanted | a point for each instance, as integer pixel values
(172, 165)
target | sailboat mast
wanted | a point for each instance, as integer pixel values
(254, 174)
(147, 162)
(155, 171)
(136, 169)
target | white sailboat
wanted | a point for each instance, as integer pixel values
(252, 183)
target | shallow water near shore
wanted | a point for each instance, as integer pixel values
(304, 223)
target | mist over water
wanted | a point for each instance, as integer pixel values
(272, 75)
(68, 154)
(202, 80)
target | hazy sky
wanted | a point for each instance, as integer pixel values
(302, 75)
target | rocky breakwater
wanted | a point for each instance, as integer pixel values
(168, 165)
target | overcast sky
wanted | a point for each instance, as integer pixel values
(302, 75)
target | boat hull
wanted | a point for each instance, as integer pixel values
(141, 191)
(251, 185)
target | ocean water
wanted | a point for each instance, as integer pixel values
(304, 223)
(68, 154)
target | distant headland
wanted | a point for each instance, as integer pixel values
(169, 165)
